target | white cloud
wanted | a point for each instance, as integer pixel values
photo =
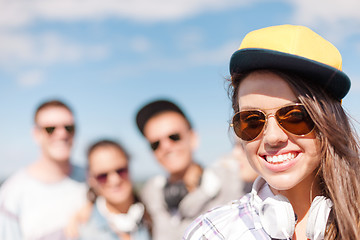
(18, 47)
(49, 48)
(14, 14)
(45, 49)
(31, 78)
(337, 20)
(15, 47)
(328, 11)
(17, 13)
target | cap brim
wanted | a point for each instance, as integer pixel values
(336, 82)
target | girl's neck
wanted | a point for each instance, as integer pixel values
(122, 207)
(302, 195)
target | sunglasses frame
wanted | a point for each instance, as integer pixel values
(70, 129)
(122, 172)
(175, 137)
(276, 119)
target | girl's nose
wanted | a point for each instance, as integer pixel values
(273, 133)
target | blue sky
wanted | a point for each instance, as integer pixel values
(108, 58)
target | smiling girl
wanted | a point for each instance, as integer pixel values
(287, 86)
(117, 212)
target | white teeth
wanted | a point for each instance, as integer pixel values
(280, 158)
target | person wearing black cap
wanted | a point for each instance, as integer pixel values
(287, 89)
(174, 201)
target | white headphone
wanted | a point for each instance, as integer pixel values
(122, 222)
(278, 219)
(318, 216)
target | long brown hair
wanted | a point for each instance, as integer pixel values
(340, 159)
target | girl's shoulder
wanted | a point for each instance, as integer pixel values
(236, 220)
(235, 208)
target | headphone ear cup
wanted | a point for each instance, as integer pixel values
(277, 217)
(174, 193)
(318, 217)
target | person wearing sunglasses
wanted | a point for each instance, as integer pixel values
(38, 200)
(117, 212)
(188, 189)
(287, 90)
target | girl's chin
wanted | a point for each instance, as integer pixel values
(281, 184)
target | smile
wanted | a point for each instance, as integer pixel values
(277, 159)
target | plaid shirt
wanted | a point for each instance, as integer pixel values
(235, 221)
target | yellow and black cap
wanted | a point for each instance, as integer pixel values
(293, 48)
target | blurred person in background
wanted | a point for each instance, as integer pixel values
(188, 189)
(247, 173)
(234, 168)
(38, 200)
(117, 212)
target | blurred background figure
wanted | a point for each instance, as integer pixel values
(235, 168)
(232, 173)
(38, 200)
(246, 171)
(231, 176)
(187, 189)
(117, 212)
